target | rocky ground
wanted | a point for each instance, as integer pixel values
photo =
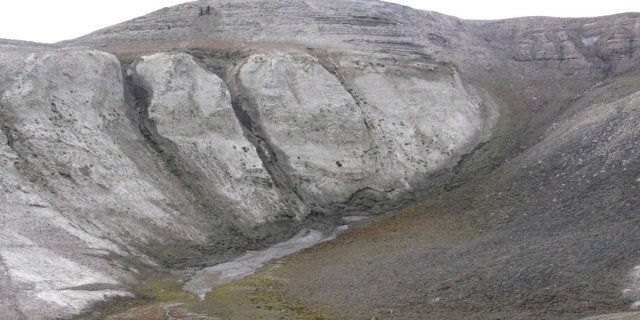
(504, 153)
(549, 233)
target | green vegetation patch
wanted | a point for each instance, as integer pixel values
(161, 296)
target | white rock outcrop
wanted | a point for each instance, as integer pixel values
(316, 127)
(363, 125)
(425, 117)
(55, 151)
(191, 107)
(75, 195)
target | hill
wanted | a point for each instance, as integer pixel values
(508, 151)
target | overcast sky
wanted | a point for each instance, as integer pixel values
(56, 20)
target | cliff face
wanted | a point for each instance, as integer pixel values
(190, 117)
(352, 126)
(62, 168)
(180, 138)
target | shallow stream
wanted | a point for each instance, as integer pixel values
(206, 279)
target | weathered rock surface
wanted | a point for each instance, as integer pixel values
(360, 126)
(59, 165)
(265, 116)
(191, 108)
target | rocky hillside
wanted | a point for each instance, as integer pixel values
(179, 138)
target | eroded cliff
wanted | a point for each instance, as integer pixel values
(112, 167)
